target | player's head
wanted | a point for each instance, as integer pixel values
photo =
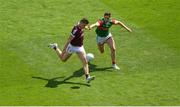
(83, 22)
(107, 15)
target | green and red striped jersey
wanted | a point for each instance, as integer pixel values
(103, 29)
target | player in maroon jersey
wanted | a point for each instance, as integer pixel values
(75, 45)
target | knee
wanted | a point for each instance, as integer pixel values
(113, 49)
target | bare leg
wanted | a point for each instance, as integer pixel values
(82, 56)
(62, 55)
(101, 47)
(111, 44)
(84, 61)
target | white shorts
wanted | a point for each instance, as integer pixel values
(75, 49)
(101, 40)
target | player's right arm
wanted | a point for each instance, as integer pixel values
(94, 25)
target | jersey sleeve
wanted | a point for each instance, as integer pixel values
(73, 32)
(100, 22)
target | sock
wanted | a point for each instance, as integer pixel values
(113, 62)
(54, 48)
(87, 76)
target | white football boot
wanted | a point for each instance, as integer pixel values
(115, 67)
(53, 45)
(90, 79)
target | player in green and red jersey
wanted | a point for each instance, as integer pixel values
(105, 36)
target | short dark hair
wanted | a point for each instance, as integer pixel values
(84, 20)
(107, 14)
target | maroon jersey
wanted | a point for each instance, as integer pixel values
(78, 35)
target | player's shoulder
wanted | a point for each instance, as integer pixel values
(113, 20)
(75, 27)
(100, 21)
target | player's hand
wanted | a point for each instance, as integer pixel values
(87, 27)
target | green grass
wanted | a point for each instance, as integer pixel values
(31, 73)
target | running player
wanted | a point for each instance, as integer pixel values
(103, 35)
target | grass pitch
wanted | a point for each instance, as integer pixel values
(31, 73)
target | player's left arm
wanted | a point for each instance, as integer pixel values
(116, 22)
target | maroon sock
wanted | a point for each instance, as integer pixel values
(87, 75)
(54, 48)
(113, 62)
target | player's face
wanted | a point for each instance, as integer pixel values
(82, 25)
(106, 18)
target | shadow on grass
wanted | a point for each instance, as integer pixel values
(94, 68)
(54, 82)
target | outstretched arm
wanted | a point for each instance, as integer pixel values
(123, 25)
(94, 25)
